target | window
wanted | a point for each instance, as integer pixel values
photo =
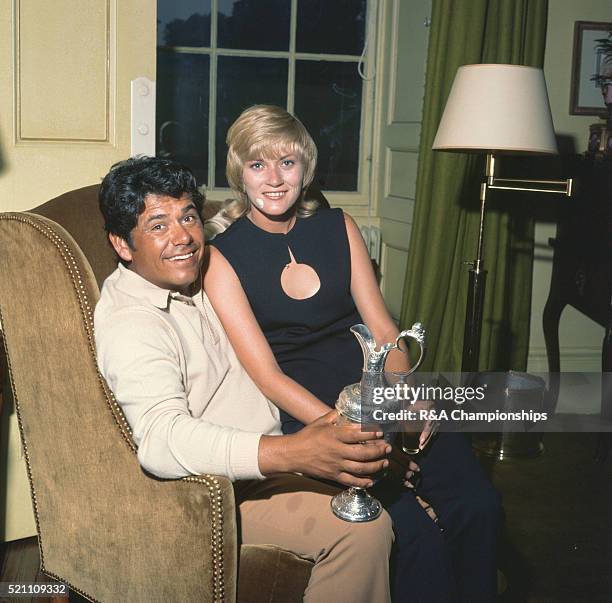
(217, 57)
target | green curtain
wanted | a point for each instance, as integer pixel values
(446, 216)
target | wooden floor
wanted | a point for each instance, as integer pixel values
(19, 562)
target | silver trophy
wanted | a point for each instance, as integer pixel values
(355, 405)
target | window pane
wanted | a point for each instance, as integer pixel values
(184, 23)
(328, 101)
(242, 82)
(182, 109)
(336, 26)
(254, 24)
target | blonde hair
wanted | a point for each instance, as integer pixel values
(266, 132)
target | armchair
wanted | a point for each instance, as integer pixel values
(105, 527)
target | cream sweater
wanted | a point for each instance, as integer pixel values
(191, 405)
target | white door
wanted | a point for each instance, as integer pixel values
(400, 98)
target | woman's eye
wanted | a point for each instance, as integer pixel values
(288, 162)
(257, 165)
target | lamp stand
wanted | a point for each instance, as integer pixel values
(477, 273)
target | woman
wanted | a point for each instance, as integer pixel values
(288, 280)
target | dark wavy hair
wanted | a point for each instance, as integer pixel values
(125, 187)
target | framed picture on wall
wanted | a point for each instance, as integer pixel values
(585, 95)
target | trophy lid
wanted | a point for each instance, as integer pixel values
(349, 402)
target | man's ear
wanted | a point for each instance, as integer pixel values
(120, 245)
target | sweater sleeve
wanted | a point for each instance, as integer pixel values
(139, 355)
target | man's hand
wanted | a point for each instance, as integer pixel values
(342, 453)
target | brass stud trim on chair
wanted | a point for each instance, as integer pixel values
(217, 532)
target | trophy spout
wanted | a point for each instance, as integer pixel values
(366, 341)
(373, 361)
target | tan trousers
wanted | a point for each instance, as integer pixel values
(293, 512)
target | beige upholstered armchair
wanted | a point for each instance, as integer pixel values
(110, 531)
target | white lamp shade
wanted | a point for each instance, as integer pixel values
(497, 108)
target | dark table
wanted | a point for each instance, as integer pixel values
(582, 268)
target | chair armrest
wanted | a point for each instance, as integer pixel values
(224, 530)
(148, 540)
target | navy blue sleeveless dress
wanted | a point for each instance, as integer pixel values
(312, 343)
(310, 338)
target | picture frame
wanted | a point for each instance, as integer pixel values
(585, 95)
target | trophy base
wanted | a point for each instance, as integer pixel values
(356, 505)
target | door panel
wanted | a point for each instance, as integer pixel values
(65, 96)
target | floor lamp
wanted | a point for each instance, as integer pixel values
(496, 109)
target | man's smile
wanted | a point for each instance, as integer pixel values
(185, 256)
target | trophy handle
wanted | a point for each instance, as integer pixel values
(416, 332)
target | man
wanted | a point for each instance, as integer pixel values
(192, 407)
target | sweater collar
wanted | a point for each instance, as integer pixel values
(132, 283)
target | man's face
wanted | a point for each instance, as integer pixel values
(167, 243)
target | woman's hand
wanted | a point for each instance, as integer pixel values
(403, 468)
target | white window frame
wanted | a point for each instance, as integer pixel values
(356, 202)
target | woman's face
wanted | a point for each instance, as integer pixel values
(273, 185)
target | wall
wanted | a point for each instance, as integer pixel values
(558, 61)
(580, 338)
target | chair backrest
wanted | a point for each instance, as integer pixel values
(77, 211)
